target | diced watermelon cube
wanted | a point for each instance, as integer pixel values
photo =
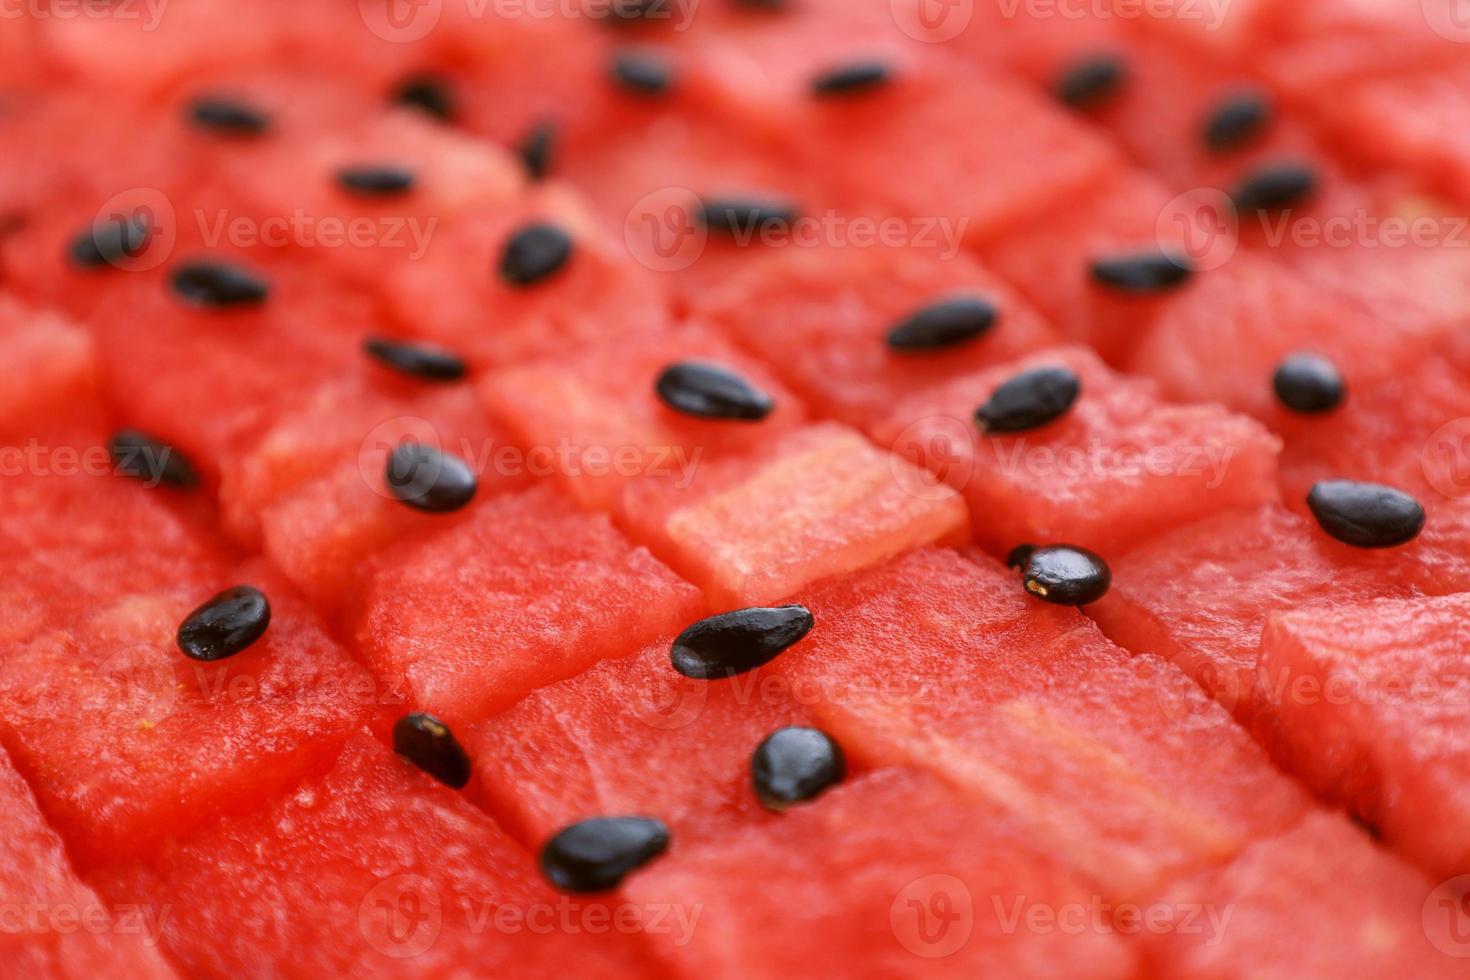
(816, 502)
(56, 926)
(822, 315)
(936, 907)
(683, 746)
(1317, 901)
(598, 295)
(1028, 709)
(129, 743)
(51, 365)
(525, 592)
(370, 869)
(1117, 468)
(1199, 595)
(1368, 703)
(595, 420)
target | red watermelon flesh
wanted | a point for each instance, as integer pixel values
(56, 926)
(128, 742)
(940, 905)
(595, 420)
(1199, 595)
(824, 314)
(1091, 753)
(1369, 702)
(526, 592)
(1319, 900)
(1117, 468)
(1227, 30)
(815, 502)
(370, 869)
(449, 294)
(50, 364)
(683, 748)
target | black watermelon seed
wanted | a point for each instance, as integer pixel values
(225, 625)
(1238, 119)
(228, 117)
(709, 391)
(850, 79)
(642, 74)
(1091, 82)
(1020, 555)
(533, 253)
(217, 285)
(428, 480)
(794, 765)
(375, 181)
(1066, 576)
(735, 642)
(742, 216)
(1143, 272)
(1366, 515)
(110, 241)
(422, 361)
(1276, 187)
(1030, 400)
(429, 744)
(537, 148)
(943, 324)
(1309, 383)
(137, 454)
(429, 94)
(595, 855)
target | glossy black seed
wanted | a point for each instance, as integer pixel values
(429, 744)
(1366, 515)
(1020, 555)
(943, 324)
(228, 117)
(794, 765)
(1309, 383)
(225, 625)
(1143, 272)
(1091, 82)
(1029, 400)
(429, 480)
(743, 216)
(642, 74)
(536, 150)
(1276, 187)
(375, 181)
(110, 241)
(1066, 576)
(709, 391)
(1237, 120)
(422, 361)
(533, 253)
(429, 94)
(217, 285)
(139, 455)
(735, 642)
(595, 855)
(849, 79)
